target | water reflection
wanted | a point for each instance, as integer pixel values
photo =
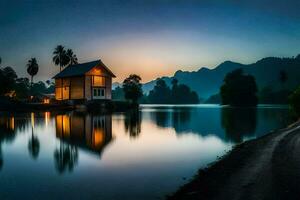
(65, 157)
(177, 118)
(34, 146)
(83, 144)
(229, 124)
(7, 130)
(239, 123)
(132, 123)
(87, 131)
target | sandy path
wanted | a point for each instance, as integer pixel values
(267, 168)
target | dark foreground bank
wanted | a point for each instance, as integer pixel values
(264, 168)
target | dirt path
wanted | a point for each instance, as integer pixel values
(266, 168)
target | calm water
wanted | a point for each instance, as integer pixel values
(135, 155)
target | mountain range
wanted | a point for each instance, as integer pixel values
(206, 82)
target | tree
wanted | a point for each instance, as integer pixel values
(60, 57)
(283, 77)
(71, 57)
(161, 93)
(118, 93)
(133, 88)
(32, 68)
(239, 89)
(7, 80)
(294, 101)
(182, 94)
(21, 88)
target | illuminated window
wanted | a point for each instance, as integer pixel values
(98, 81)
(58, 93)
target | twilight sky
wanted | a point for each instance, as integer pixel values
(149, 37)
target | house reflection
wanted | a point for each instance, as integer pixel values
(7, 132)
(87, 131)
(7, 124)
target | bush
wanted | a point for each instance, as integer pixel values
(294, 101)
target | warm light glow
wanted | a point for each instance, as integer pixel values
(47, 117)
(46, 101)
(66, 126)
(32, 120)
(98, 137)
(12, 123)
(63, 125)
(98, 81)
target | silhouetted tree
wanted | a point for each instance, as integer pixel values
(71, 57)
(182, 94)
(118, 93)
(7, 80)
(179, 94)
(133, 88)
(283, 77)
(161, 93)
(21, 88)
(294, 101)
(239, 89)
(60, 57)
(32, 68)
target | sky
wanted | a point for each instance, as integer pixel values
(152, 38)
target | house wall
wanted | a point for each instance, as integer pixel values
(81, 87)
(107, 80)
(77, 88)
(88, 87)
(108, 86)
(62, 88)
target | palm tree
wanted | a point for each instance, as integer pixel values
(32, 68)
(60, 57)
(72, 57)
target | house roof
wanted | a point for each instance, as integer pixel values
(81, 69)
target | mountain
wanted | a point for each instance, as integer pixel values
(206, 82)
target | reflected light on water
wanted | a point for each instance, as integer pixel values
(141, 155)
(32, 120)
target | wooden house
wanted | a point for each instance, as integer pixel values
(85, 81)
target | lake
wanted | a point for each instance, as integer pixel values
(135, 155)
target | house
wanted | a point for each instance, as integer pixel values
(85, 81)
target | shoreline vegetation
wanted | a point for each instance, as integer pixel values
(262, 168)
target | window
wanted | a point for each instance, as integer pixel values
(98, 93)
(98, 81)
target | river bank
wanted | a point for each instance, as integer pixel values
(264, 168)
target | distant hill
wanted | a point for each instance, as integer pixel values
(206, 82)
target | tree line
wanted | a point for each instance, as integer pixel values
(161, 93)
(21, 87)
(240, 89)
